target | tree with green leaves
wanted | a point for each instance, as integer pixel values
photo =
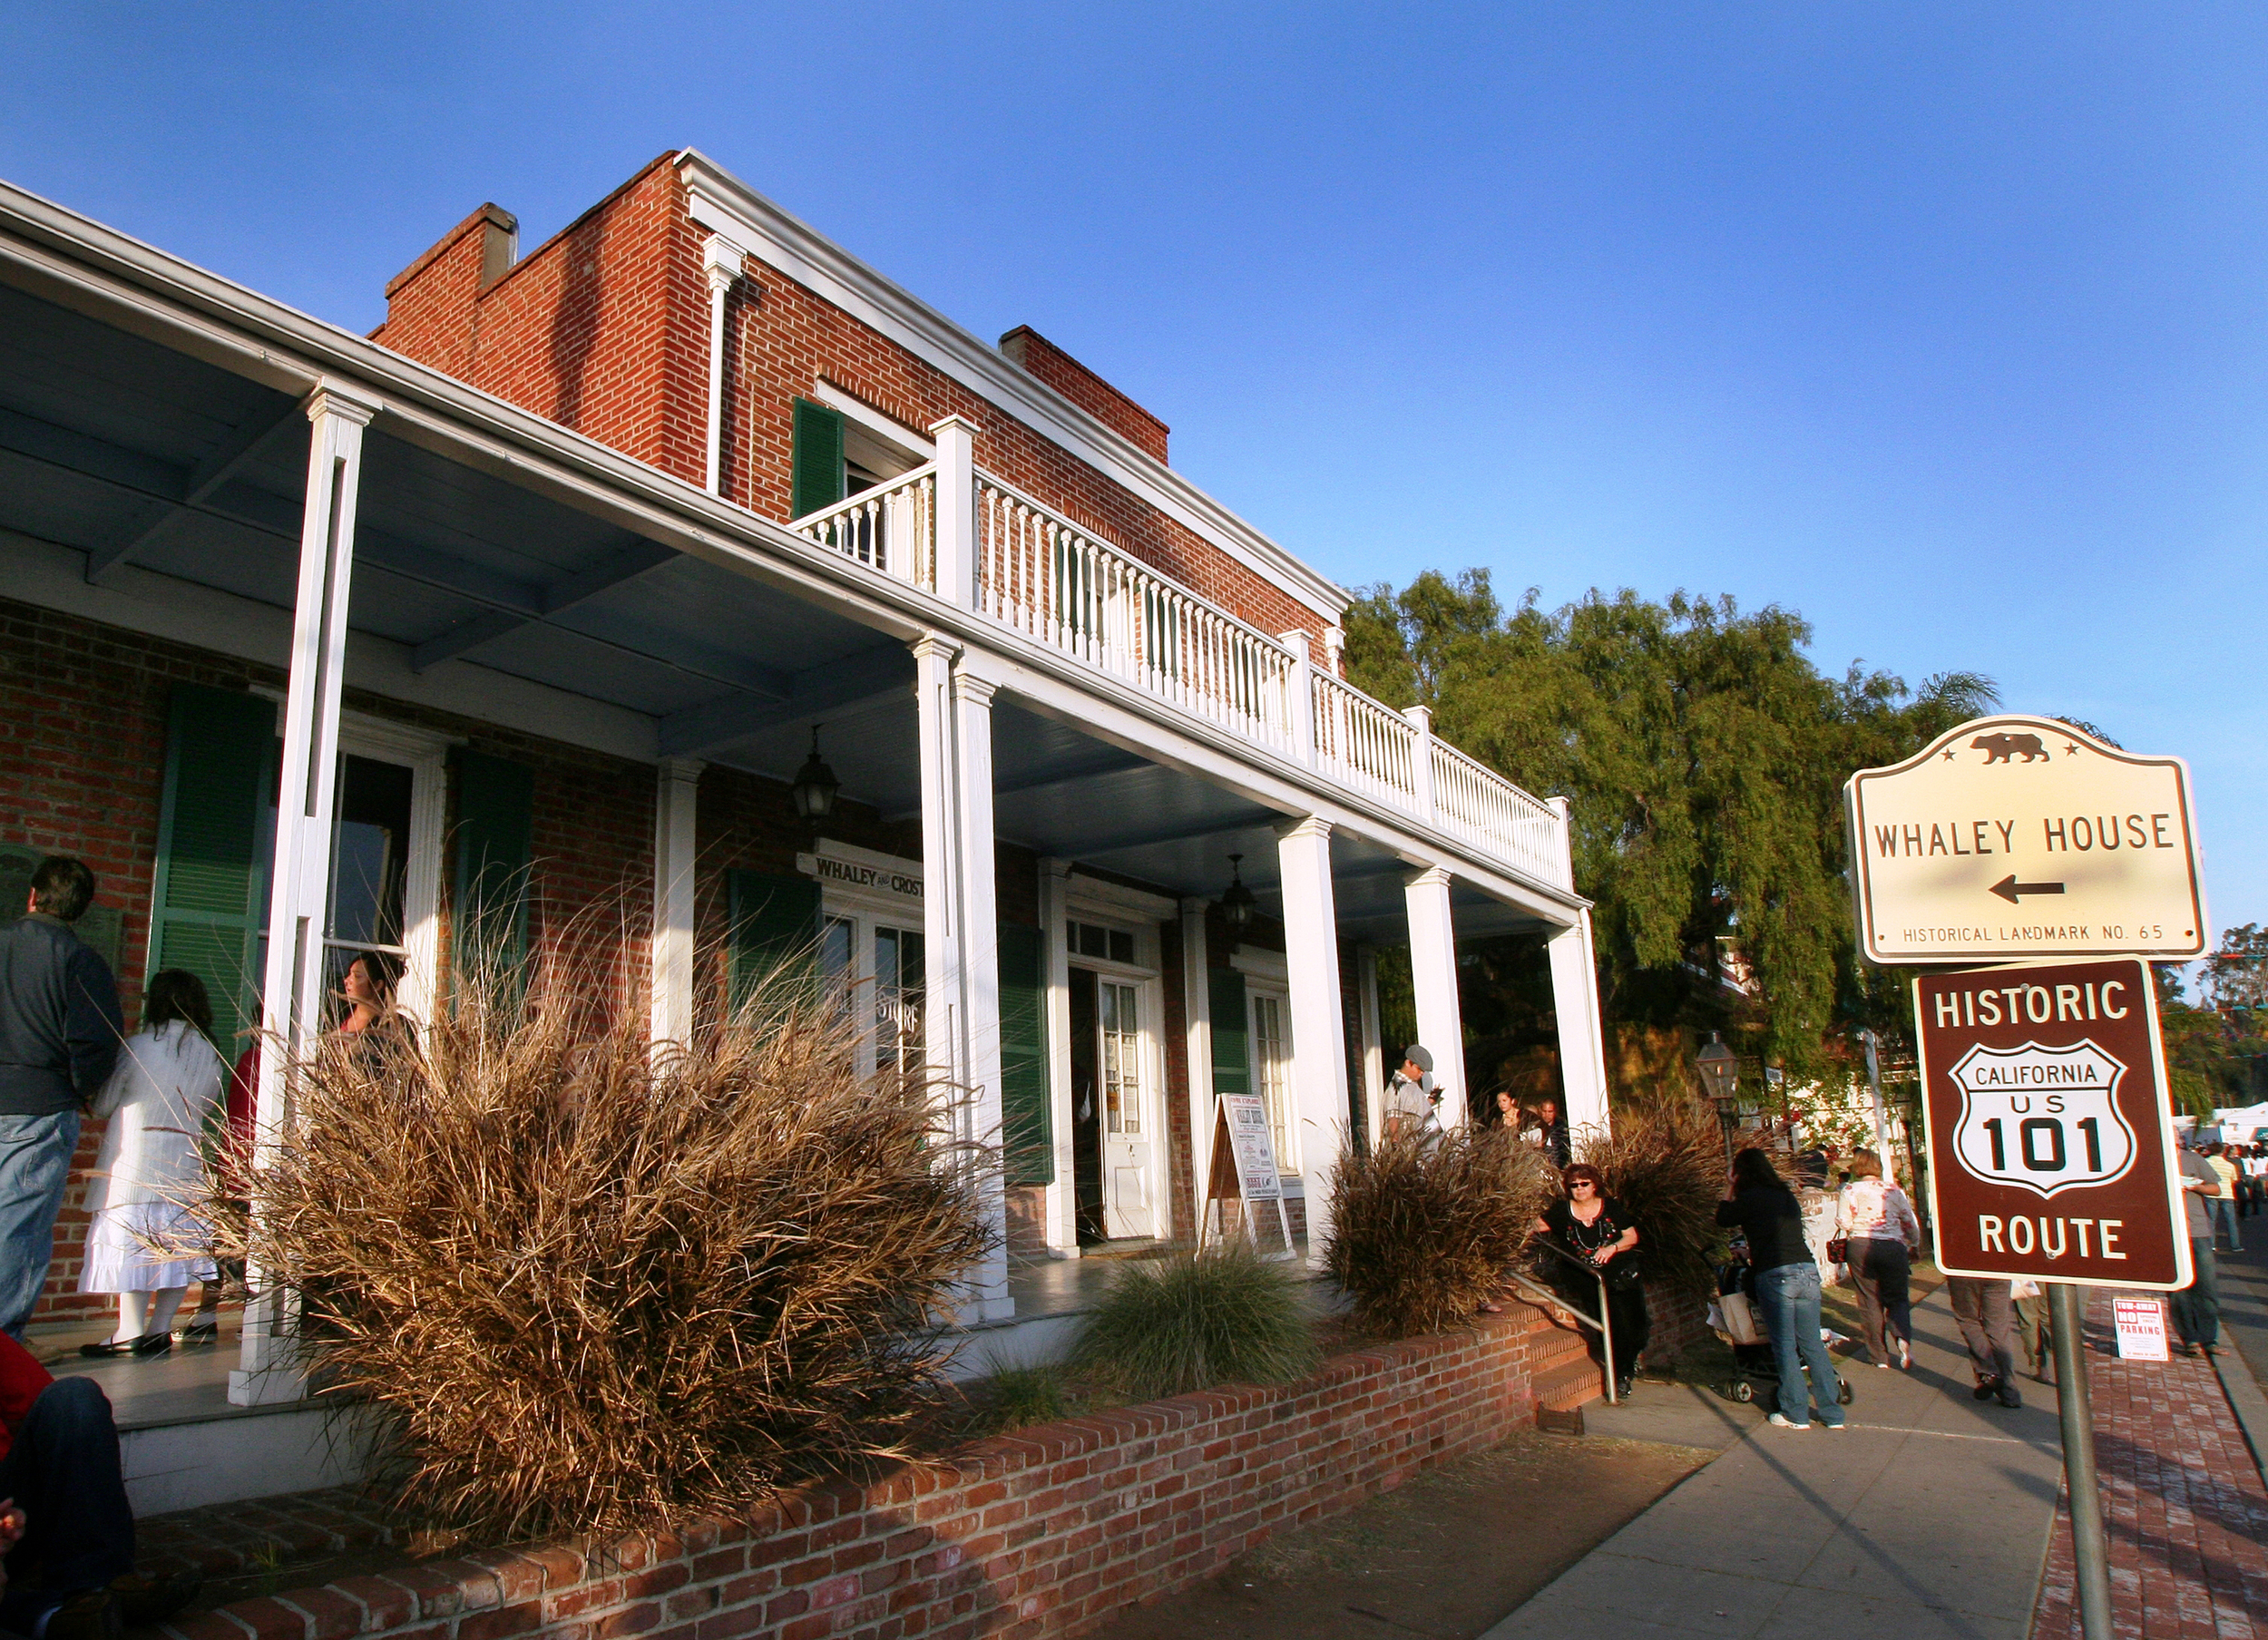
(1704, 756)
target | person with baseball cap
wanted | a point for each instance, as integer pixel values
(1410, 1097)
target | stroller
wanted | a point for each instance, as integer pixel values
(1755, 1367)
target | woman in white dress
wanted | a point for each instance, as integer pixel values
(168, 1083)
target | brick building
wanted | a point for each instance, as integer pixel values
(516, 621)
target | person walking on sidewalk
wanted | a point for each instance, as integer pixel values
(60, 1033)
(2197, 1307)
(1985, 1312)
(1411, 1099)
(1760, 1204)
(1880, 1236)
(2035, 1334)
(2219, 1157)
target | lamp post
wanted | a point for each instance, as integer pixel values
(1720, 1072)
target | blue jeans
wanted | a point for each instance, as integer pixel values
(1790, 1296)
(34, 1163)
(2224, 1222)
(64, 1472)
(2197, 1307)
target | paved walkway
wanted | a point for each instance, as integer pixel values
(2187, 1515)
(1929, 1516)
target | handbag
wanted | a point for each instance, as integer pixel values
(1741, 1324)
(1838, 1249)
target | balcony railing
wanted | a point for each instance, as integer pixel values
(1020, 563)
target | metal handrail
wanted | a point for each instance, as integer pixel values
(1603, 1324)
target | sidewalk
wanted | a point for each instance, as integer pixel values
(2187, 1509)
(1928, 1517)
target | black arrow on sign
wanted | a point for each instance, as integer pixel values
(2010, 890)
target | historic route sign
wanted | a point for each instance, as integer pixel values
(2025, 837)
(2051, 1146)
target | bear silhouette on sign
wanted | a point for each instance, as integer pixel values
(2000, 745)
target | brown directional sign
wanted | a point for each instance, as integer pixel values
(2023, 838)
(2051, 1149)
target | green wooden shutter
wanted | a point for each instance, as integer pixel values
(496, 843)
(1232, 1051)
(1027, 1131)
(775, 923)
(205, 903)
(819, 476)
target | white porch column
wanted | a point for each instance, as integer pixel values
(1373, 1045)
(720, 261)
(980, 962)
(1582, 1039)
(1062, 1210)
(291, 995)
(1433, 978)
(1311, 949)
(1196, 1015)
(941, 854)
(677, 789)
(956, 512)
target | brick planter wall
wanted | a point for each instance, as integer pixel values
(1045, 1532)
(1678, 1320)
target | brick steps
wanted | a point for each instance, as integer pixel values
(1561, 1371)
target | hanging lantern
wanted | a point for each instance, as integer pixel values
(815, 785)
(1237, 903)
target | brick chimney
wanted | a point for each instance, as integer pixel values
(1047, 362)
(429, 304)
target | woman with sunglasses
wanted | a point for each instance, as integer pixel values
(1591, 1227)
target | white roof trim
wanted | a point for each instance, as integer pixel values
(724, 205)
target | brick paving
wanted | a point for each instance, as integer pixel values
(2187, 1511)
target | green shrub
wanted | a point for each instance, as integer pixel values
(1665, 1162)
(1420, 1234)
(1194, 1320)
(1018, 1397)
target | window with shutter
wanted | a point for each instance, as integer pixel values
(494, 851)
(1028, 1131)
(1232, 1056)
(820, 474)
(775, 925)
(205, 901)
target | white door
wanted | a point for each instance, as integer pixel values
(1126, 1139)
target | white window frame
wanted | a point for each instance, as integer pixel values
(865, 909)
(1269, 972)
(1128, 911)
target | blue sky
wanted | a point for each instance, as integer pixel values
(1947, 326)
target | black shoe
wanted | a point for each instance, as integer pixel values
(146, 1600)
(201, 1334)
(91, 1615)
(2009, 1394)
(1622, 1389)
(149, 1343)
(1986, 1389)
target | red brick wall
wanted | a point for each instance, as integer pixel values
(1043, 1533)
(605, 328)
(67, 789)
(1050, 364)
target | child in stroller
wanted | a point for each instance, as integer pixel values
(1753, 1366)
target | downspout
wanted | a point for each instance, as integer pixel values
(720, 261)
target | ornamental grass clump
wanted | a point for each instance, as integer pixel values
(1421, 1233)
(1189, 1320)
(1664, 1161)
(591, 1285)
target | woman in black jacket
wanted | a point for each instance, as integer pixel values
(1757, 1202)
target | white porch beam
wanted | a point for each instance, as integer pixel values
(676, 849)
(1373, 1045)
(1582, 1038)
(291, 997)
(1311, 949)
(1433, 976)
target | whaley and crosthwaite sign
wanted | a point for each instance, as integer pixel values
(2025, 837)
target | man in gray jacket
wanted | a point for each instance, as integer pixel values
(60, 1033)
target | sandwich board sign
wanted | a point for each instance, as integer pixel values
(1243, 1166)
(2050, 1125)
(2015, 837)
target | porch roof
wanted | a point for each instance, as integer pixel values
(124, 442)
